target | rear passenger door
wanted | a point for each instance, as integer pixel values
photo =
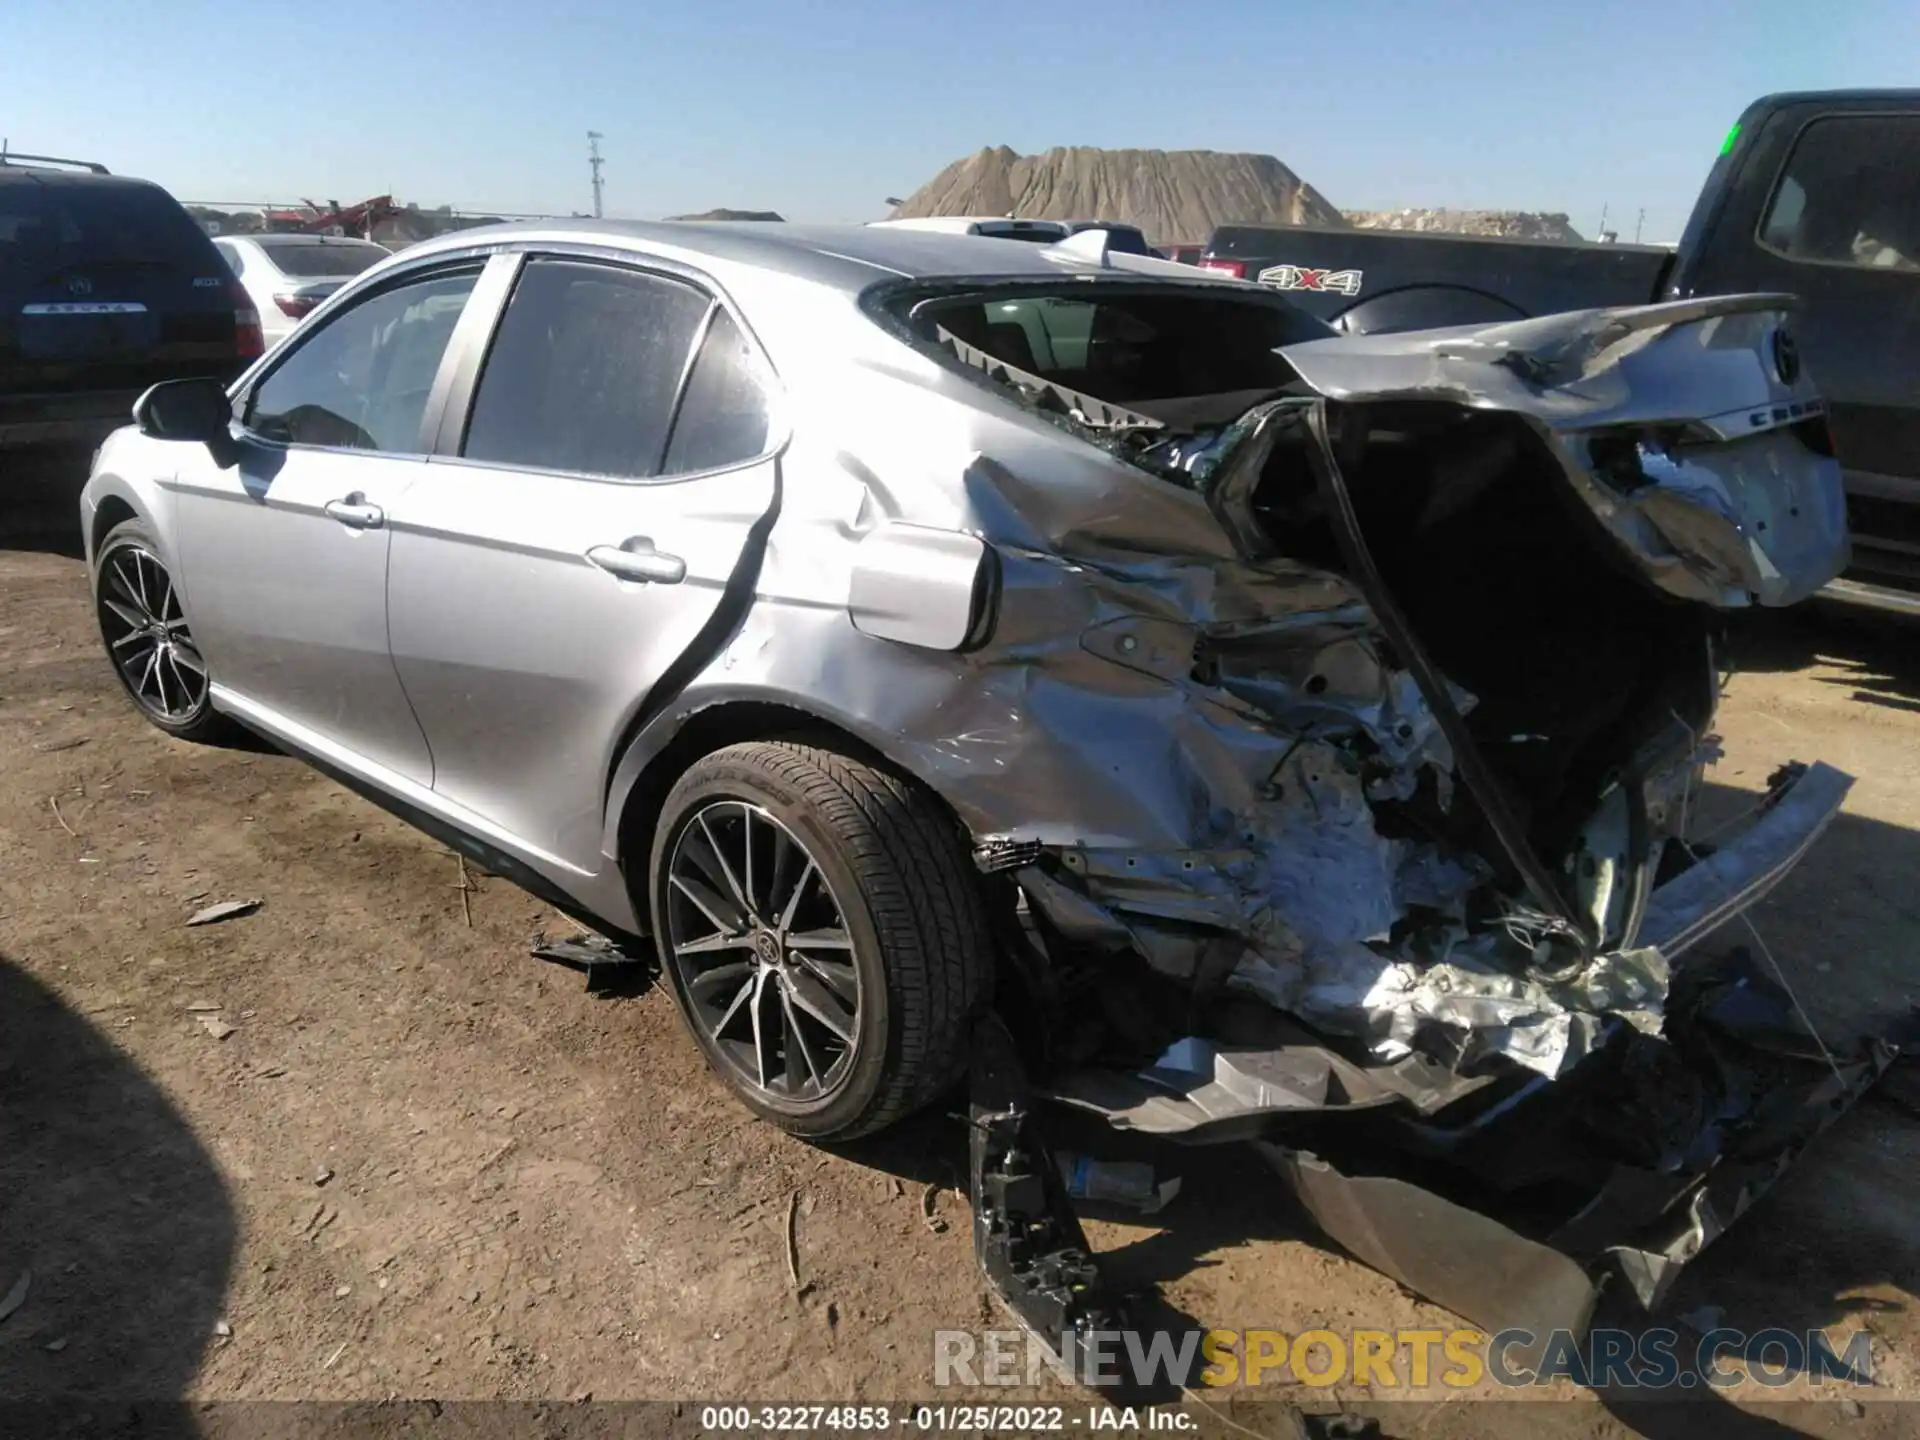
(575, 535)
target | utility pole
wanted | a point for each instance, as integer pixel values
(594, 162)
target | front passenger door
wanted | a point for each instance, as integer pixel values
(285, 554)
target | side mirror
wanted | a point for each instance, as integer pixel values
(194, 410)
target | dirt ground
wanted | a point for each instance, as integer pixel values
(420, 1163)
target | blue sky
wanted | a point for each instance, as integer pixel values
(821, 108)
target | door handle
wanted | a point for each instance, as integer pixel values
(356, 513)
(636, 559)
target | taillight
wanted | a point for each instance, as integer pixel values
(247, 339)
(296, 305)
(1236, 268)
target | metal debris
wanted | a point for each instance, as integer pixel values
(610, 968)
(225, 910)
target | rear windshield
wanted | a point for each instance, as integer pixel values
(1177, 356)
(51, 227)
(322, 261)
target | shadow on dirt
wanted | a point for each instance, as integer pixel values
(1877, 656)
(112, 1204)
(40, 500)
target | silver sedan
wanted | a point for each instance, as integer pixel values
(873, 620)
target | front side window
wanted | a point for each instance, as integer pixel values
(1850, 195)
(361, 381)
(583, 371)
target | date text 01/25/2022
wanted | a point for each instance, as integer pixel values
(934, 1419)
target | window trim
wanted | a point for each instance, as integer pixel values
(243, 392)
(465, 385)
(1780, 179)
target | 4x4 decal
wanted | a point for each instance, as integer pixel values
(1299, 277)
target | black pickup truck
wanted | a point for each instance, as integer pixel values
(1814, 194)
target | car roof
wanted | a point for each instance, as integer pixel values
(848, 258)
(21, 174)
(297, 238)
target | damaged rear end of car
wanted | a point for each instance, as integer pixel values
(1393, 661)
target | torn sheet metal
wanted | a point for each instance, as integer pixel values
(1203, 1090)
(1717, 887)
(1175, 739)
(1500, 1263)
(1458, 1257)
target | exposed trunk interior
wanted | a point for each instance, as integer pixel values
(1579, 666)
(1576, 662)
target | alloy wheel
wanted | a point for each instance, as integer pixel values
(762, 951)
(147, 636)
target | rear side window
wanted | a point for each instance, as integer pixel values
(50, 226)
(361, 381)
(723, 415)
(1850, 194)
(583, 371)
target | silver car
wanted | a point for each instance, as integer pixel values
(888, 625)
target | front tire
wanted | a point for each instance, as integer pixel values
(823, 933)
(147, 640)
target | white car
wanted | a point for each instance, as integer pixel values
(288, 275)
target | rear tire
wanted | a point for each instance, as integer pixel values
(831, 1006)
(144, 630)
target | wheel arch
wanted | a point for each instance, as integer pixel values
(662, 753)
(112, 510)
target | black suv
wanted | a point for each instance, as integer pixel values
(106, 286)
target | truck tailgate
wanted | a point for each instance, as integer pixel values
(1458, 279)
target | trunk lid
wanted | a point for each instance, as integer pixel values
(1691, 430)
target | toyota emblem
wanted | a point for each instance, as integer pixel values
(1786, 356)
(79, 285)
